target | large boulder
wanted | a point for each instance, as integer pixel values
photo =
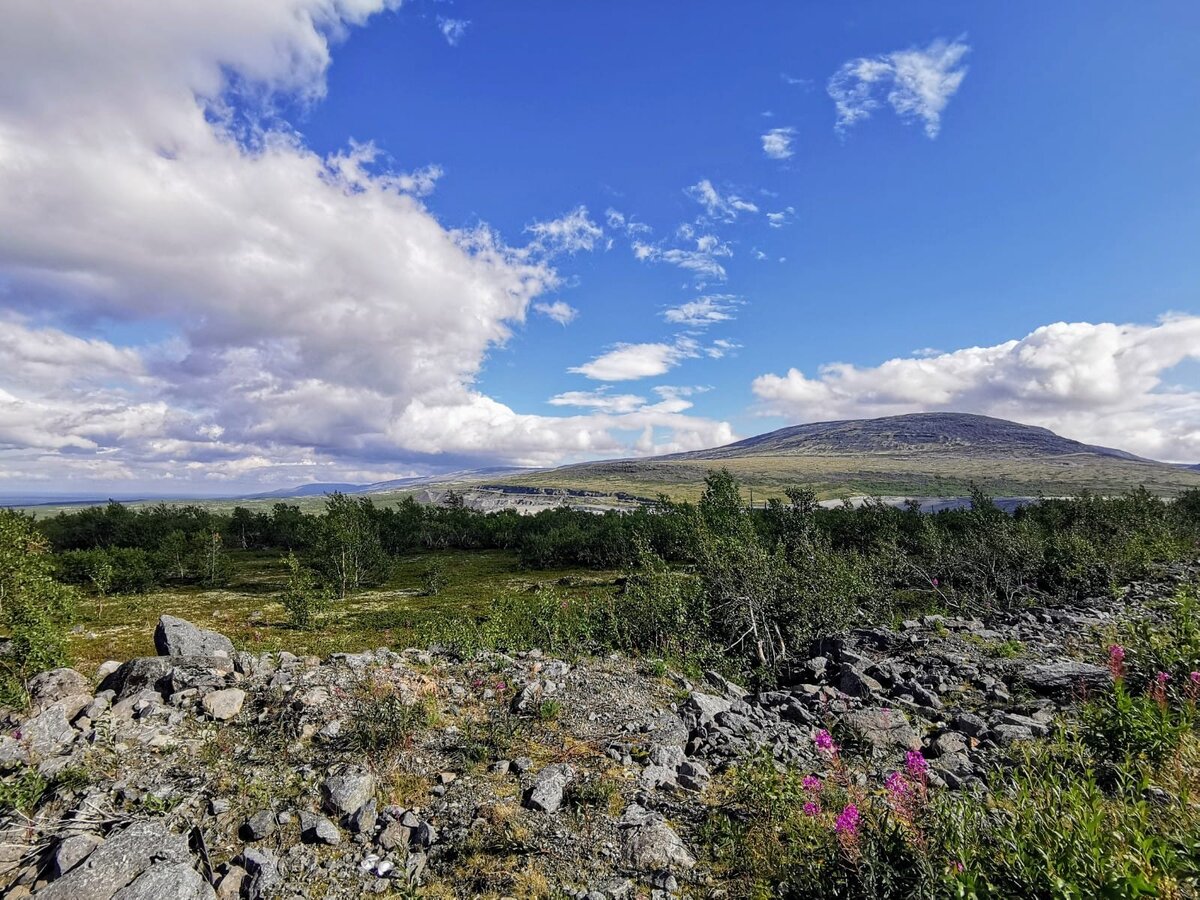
(118, 861)
(649, 844)
(886, 730)
(167, 675)
(49, 687)
(224, 705)
(179, 637)
(1065, 676)
(50, 732)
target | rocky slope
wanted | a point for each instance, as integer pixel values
(208, 772)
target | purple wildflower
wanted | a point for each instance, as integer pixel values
(812, 809)
(916, 764)
(847, 821)
(812, 784)
(824, 741)
(897, 785)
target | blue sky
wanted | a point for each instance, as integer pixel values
(1005, 219)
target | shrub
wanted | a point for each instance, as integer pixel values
(433, 578)
(303, 598)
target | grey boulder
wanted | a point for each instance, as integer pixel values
(179, 637)
(168, 881)
(118, 861)
(546, 793)
(49, 687)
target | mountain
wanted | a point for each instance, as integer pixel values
(938, 433)
(917, 455)
(319, 489)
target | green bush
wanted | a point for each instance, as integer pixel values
(303, 597)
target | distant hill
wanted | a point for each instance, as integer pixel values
(918, 455)
(959, 434)
(320, 489)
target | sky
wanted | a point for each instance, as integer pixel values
(254, 243)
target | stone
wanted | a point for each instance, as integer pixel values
(346, 791)
(73, 850)
(855, 683)
(118, 861)
(705, 707)
(259, 826)
(363, 820)
(316, 829)
(106, 668)
(1036, 728)
(1065, 676)
(50, 687)
(969, 724)
(223, 705)
(179, 637)
(1009, 734)
(948, 743)
(546, 793)
(394, 836)
(884, 729)
(48, 733)
(263, 867)
(233, 883)
(649, 844)
(168, 881)
(12, 754)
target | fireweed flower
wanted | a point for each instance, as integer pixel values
(846, 823)
(824, 741)
(1158, 688)
(812, 784)
(1116, 660)
(916, 764)
(897, 785)
(812, 809)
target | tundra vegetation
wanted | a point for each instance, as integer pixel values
(1108, 805)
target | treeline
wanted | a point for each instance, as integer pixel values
(753, 590)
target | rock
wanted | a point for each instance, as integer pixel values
(884, 729)
(12, 754)
(855, 683)
(1036, 728)
(224, 705)
(1064, 676)
(259, 826)
(363, 821)
(49, 732)
(263, 867)
(142, 673)
(233, 883)
(948, 743)
(346, 791)
(179, 637)
(73, 850)
(548, 788)
(316, 829)
(168, 881)
(119, 860)
(1009, 734)
(394, 836)
(49, 687)
(650, 845)
(106, 668)
(705, 707)
(969, 724)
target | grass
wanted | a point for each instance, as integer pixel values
(247, 609)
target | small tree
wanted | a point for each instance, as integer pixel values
(303, 597)
(433, 578)
(34, 607)
(208, 553)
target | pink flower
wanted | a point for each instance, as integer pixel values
(812, 784)
(847, 821)
(1162, 678)
(916, 764)
(824, 741)
(1116, 660)
(1158, 689)
(1194, 678)
(958, 867)
(935, 582)
(898, 785)
(812, 809)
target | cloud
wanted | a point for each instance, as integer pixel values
(569, 233)
(614, 403)
(777, 143)
(316, 317)
(702, 259)
(560, 312)
(703, 311)
(627, 362)
(917, 83)
(718, 206)
(1102, 383)
(781, 218)
(452, 29)
(720, 348)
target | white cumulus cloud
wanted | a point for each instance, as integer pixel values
(777, 143)
(1102, 383)
(561, 312)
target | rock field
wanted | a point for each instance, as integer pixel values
(209, 772)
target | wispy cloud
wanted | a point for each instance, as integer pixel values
(561, 312)
(627, 362)
(781, 218)
(777, 143)
(917, 83)
(702, 259)
(452, 29)
(703, 311)
(718, 206)
(599, 400)
(569, 233)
